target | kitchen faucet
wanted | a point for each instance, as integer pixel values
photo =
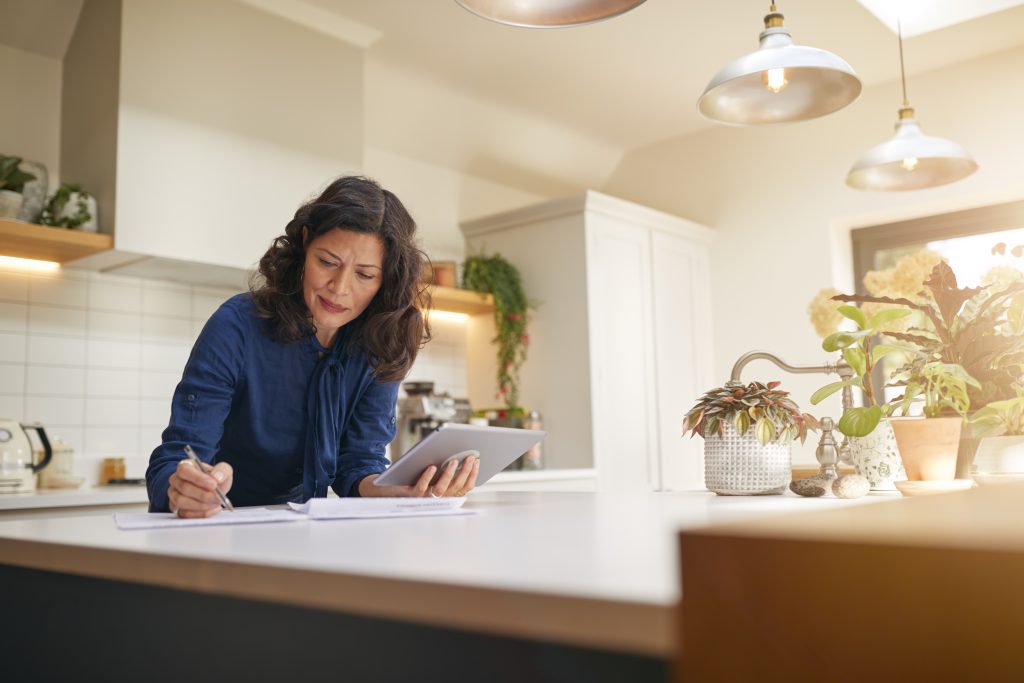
(827, 454)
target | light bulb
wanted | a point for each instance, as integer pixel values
(910, 163)
(775, 79)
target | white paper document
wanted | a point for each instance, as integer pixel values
(164, 520)
(366, 508)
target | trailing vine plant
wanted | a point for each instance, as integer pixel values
(495, 276)
(53, 213)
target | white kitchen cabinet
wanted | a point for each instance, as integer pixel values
(620, 337)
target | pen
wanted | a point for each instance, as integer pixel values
(202, 468)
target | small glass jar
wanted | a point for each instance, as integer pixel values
(111, 468)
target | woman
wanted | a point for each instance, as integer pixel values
(291, 388)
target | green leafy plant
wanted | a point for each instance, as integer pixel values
(943, 387)
(1000, 418)
(862, 349)
(767, 409)
(496, 276)
(53, 212)
(11, 177)
(966, 327)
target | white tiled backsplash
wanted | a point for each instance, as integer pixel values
(96, 357)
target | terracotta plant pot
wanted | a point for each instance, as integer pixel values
(928, 446)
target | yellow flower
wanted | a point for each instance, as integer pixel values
(906, 278)
(1002, 277)
(823, 314)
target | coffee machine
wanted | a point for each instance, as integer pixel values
(422, 411)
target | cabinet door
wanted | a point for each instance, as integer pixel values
(683, 352)
(622, 360)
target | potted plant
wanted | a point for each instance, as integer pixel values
(970, 328)
(1000, 428)
(70, 207)
(747, 430)
(12, 184)
(929, 444)
(496, 276)
(873, 448)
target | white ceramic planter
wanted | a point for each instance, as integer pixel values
(741, 466)
(876, 457)
(999, 455)
(10, 203)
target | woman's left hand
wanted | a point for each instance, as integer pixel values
(455, 481)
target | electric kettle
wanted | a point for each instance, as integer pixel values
(17, 456)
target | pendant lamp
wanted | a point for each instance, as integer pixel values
(548, 13)
(780, 83)
(911, 160)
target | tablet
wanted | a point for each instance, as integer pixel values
(496, 447)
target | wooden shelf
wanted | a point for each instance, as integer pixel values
(461, 301)
(27, 240)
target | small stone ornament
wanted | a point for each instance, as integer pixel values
(850, 486)
(811, 487)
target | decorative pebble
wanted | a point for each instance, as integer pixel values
(812, 487)
(850, 486)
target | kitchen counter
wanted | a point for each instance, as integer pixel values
(82, 497)
(576, 570)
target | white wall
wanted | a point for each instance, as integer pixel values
(229, 118)
(775, 194)
(30, 115)
(439, 198)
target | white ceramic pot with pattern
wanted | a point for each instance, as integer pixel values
(876, 457)
(737, 465)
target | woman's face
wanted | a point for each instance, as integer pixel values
(343, 271)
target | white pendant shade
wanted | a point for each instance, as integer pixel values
(548, 13)
(911, 160)
(780, 83)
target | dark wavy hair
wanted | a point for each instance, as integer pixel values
(393, 328)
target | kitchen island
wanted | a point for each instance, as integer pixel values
(534, 586)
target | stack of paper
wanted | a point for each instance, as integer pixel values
(363, 508)
(316, 508)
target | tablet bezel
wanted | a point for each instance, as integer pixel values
(498, 447)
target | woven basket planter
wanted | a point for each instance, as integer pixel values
(740, 466)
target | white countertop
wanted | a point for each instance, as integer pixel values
(87, 495)
(583, 568)
(128, 494)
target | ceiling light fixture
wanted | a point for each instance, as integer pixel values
(548, 13)
(911, 160)
(780, 83)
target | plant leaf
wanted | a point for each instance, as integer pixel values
(741, 422)
(764, 430)
(829, 389)
(855, 314)
(881, 350)
(887, 316)
(860, 421)
(856, 359)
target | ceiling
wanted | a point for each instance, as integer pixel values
(635, 79)
(612, 86)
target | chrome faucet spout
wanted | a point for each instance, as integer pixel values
(827, 454)
(840, 368)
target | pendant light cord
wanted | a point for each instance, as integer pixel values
(903, 73)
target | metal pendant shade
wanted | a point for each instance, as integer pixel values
(911, 160)
(780, 83)
(548, 13)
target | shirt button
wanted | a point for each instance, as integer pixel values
(191, 397)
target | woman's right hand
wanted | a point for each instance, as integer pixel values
(192, 493)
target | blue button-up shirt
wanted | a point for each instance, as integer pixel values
(275, 411)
